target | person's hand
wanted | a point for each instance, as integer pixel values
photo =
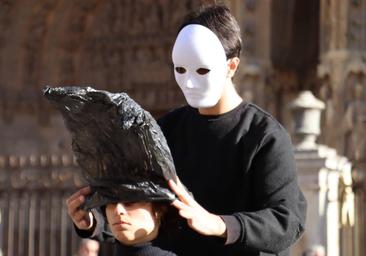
(198, 218)
(82, 219)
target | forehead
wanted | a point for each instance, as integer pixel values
(131, 206)
(197, 44)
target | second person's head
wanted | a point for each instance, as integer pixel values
(206, 54)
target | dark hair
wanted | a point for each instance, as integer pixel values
(220, 21)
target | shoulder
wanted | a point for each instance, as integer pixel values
(259, 121)
(261, 128)
(175, 113)
(173, 117)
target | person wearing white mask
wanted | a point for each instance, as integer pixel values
(235, 158)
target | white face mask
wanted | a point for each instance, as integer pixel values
(200, 66)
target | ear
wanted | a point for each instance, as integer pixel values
(160, 210)
(233, 64)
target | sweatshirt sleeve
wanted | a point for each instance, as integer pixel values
(279, 215)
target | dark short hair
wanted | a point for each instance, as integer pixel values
(220, 21)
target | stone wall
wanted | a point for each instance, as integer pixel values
(114, 45)
(125, 45)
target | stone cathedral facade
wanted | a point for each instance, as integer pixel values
(125, 45)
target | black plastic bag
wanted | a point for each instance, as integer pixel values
(119, 146)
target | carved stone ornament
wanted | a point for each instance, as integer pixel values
(306, 111)
(39, 172)
(325, 178)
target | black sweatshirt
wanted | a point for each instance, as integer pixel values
(142, 250)
(104, 235)
(240, 165)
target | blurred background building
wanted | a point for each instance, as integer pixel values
(290, 46)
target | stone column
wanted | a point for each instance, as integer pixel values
(322, 172)
(251, 79)
(342, 71)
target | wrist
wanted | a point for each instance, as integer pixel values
(86, 224)
(221, 227)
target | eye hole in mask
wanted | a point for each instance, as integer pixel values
(180, 70)
(202, 71)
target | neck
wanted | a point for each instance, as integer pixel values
(140, 239)
(229, 100)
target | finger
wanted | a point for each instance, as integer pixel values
(84, 224)
(79, 216)
(180, 205)
(184, 210)
(84, 221)
(181, 192)
(74, 205)
(74, 196)
(186, 214)
(83, 191)
(179, 183)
